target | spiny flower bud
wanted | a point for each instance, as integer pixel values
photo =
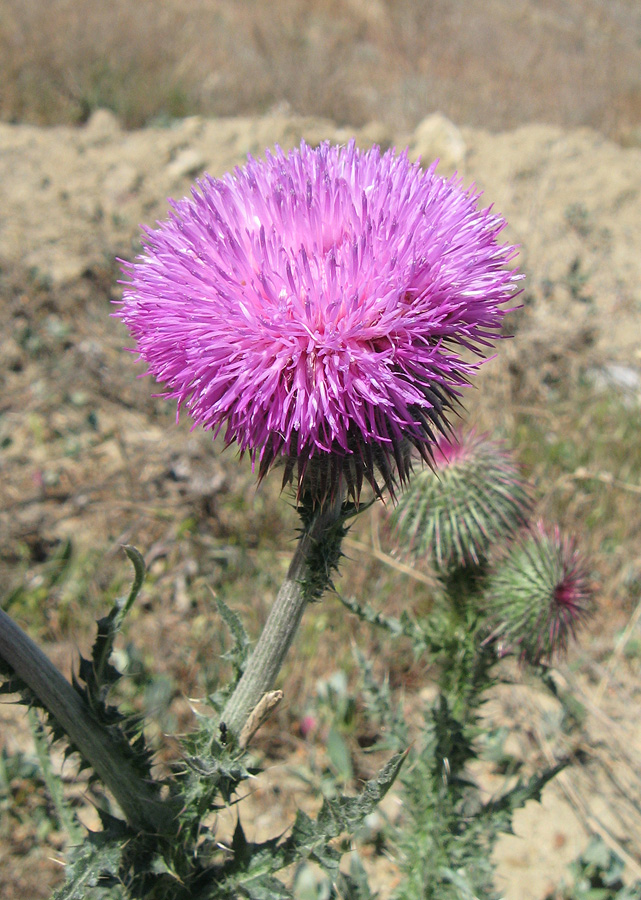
(473, 497)
(539, 595)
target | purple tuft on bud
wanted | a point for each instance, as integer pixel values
(307, 725)
(318, 308)
(539, 595)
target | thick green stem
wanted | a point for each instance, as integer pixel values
(140, 802)
(285, 615)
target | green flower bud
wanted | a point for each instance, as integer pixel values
(539, 595)
(473, 497)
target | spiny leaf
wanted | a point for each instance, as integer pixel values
(354, 885)
(240, 847)
(68, 818)
(15, 685)
(96, 860)
(382, 708)
(237, 654)
(451, 746)
(311, 839)
(345, 813)
(139, 576)
(368, 614)
(206, 779)
(501, 810)
(101, 675)
(98, 676)
(426, 636)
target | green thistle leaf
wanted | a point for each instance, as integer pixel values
(93, 869)
(239, 652)
(500, 811)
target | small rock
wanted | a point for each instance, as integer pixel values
(438, 138)
(625, 380)
(102, 126)
(55, 266)
(121, 182)
(187, 164)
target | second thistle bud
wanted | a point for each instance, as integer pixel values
(473, 497)
(539, 595)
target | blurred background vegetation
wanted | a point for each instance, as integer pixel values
(488, 63)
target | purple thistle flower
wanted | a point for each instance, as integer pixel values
(539, 595)
(314, 306)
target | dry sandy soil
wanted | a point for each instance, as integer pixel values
(87, 455)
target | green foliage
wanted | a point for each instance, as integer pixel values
(66, 815)
(98, 676)
(598, 875)
(447, 833)
(189, 862)
(239, 651)
(383, 709)
(445, 837)
(92, 870)
(443, 851)
(324, 555)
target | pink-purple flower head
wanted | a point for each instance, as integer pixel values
(317, 308)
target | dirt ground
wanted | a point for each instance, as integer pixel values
(89, 461)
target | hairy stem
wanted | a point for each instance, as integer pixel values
(140, 802)
(304, 582)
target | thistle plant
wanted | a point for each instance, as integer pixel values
(323, 311)
(507, 589)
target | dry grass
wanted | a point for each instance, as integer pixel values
(494, 64)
